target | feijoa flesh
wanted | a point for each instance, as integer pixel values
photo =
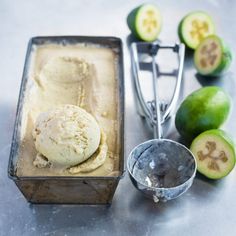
(214, 151)
(194, 27)
(145, 22)
(212, 57)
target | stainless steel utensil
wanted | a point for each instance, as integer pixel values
(161, 168)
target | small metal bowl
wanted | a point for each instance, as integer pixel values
(161, 168)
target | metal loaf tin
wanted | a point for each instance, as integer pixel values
(69, 189)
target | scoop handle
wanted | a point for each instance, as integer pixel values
(157, 128)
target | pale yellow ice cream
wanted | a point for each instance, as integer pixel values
(66, 135)
(65, 69)
(83, 76)
(96, 160)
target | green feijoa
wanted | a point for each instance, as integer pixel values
(145, 22)
(212, 57)
(194, 27)
(214, 151)
(204, 109)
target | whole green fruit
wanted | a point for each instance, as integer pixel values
(204, 109)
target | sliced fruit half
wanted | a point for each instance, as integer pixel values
(212, 57)
(145, 22)
(214, 151)
(194, 27)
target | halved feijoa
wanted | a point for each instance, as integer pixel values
(214, 151)
(212, 57)
(145, 22)
(204, 109)
(194, 27)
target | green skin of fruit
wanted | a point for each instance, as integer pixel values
(226, 58)
(204, 109)
(226, 139)
(180, 33)
(131, 19)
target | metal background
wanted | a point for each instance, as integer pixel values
(208, 208)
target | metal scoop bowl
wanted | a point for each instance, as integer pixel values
(161, 168)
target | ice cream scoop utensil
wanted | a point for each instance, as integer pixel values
(161, 168)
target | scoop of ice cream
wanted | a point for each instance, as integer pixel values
(65, 69)
(66, 135)
(96, 160)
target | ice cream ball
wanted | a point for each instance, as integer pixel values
(66, 135)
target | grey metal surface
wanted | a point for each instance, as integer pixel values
(208, 208)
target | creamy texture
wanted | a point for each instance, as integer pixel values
(97, 94)
(66, 135)
(96, 160)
